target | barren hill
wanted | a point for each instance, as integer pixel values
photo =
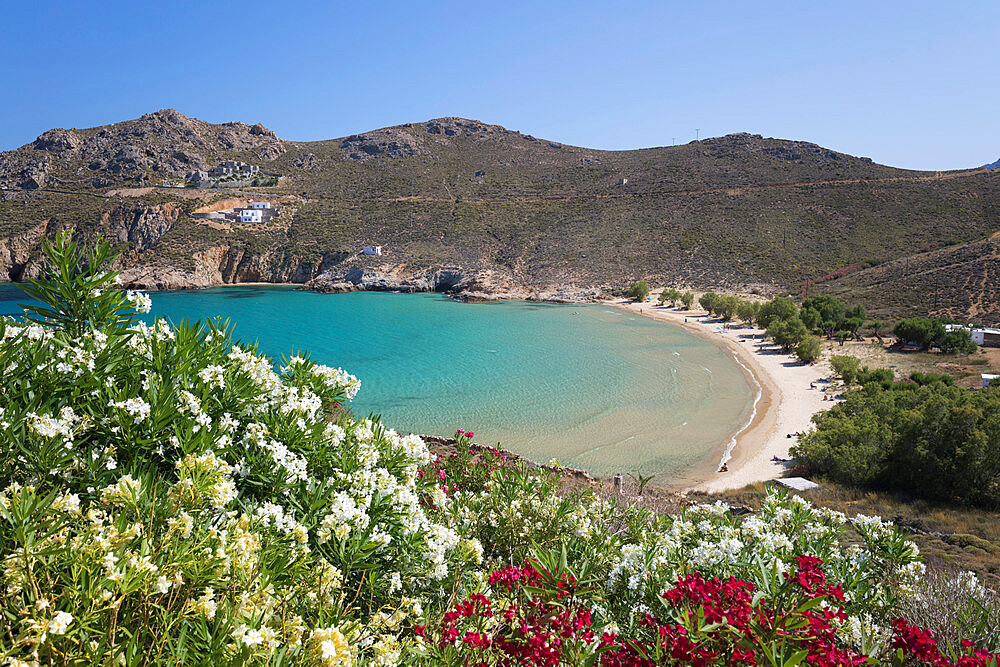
(460, 203)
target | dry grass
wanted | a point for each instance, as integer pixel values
(965, 368)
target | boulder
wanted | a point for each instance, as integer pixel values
(56, 141)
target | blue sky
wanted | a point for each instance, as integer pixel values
(911, 84)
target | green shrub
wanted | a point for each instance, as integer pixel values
(876, 377)
(846, 367)
(638, 291)
(964, 541)
(931, 378)
(169, 494)
(809, 349)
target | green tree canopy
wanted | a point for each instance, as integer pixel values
(787, 333)
(920, 330)
(809, 349)
(958, 341)
(778, 308)
(934, 441)
(707, 301)
(830, 309)
(747, 310)
(638, 291)
(670, 295)
(725, 306)
(811, 318)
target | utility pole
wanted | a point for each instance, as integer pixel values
(697, 133)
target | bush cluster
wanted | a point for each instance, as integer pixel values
(797, 328)
(673, 296)
(921, 435)
(170, 497)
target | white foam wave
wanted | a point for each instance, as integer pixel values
(728, 454)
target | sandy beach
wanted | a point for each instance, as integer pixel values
(785, 404)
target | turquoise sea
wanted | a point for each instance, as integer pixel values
(594, 386)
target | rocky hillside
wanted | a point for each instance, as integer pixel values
(160, 145)
(459, 204)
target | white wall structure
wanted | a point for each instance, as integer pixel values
(260, 204)
(249, 215)
(371, 250)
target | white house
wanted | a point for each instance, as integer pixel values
(986, 337)
(981, 336)
(988, 377)
(251, 215)
(371, 250)
(260, 204)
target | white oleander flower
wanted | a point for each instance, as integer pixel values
(138, 408)
(60, 623)
(162, 584)
(140, 301)
(213, 376)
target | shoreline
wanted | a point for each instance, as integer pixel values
(783, 404)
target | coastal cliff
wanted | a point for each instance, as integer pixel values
(227, 265)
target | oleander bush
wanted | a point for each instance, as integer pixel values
(172, 497)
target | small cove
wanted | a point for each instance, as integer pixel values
(595, 387)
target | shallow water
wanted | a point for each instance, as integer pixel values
(596, 387)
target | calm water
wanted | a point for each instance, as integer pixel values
(593, 386)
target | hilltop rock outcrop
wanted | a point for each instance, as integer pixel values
(165, 142)
(390, 142)
(57, 141)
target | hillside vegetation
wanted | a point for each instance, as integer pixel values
(961, 281)
(739, 211)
